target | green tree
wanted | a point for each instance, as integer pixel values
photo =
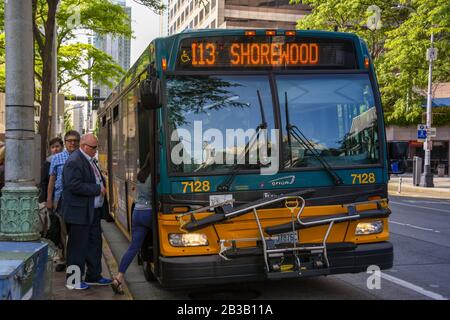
(403, 69)
(99, 16)
(72, 66)
(193, 94)
(68, 125)
(398, 47)
(354, 16)
(156, 5)
(2, 62)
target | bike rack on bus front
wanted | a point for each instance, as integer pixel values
(271, 251)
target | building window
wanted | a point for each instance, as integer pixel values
(207, 10)
(201, 16)
(196, 21)
(213, 4)
(213, 24)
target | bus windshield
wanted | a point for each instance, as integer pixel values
(335, 114)
(213, 118)
(327, 120)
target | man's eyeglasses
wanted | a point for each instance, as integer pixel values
(92, 147)
(72, 140)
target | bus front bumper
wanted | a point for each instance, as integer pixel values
(212, 269)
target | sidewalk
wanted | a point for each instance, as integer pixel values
(140, 288)
(440, 190)
(109, 265)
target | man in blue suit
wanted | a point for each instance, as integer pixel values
(83, 201)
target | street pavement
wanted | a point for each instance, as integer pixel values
(420, 233)
(109, 267)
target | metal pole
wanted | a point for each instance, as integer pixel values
(426, 179)
(89, 104)
(19, 201)
(54, 123)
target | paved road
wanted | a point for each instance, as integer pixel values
(420, 232)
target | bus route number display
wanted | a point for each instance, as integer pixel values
(235, 53)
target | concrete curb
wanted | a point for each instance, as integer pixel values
(113, 267)
(413, 191)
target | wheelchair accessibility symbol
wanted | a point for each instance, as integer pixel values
(185, 57)
(421, 132)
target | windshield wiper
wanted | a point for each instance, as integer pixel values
(225, 185)
(300, 137)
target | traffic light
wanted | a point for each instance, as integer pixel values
(95, 99)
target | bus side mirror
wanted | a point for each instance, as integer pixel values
(149, 90)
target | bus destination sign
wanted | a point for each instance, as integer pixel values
(263, 52)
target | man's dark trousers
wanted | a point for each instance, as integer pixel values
(84, 247)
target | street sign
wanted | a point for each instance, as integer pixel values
(431, 132)
(432, 54)
(421, 131)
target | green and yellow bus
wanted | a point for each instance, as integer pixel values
(268, 156)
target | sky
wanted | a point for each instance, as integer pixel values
(145, 25)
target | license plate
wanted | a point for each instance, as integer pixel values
(288, 237)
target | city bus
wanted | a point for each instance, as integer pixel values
(268, 155)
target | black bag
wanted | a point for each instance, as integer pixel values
(105, 214)
(54, 232)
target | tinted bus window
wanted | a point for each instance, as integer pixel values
(336, 113)
(219, 106)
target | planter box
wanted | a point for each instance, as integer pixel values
(23, 270)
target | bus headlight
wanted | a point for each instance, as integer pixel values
(365, 228)
(187, 239)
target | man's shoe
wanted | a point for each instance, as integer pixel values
(100, 282)
(80, 286)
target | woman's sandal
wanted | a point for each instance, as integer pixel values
(116, 285)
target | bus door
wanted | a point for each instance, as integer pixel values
(147, 142)
(110, 176)
(144, 123)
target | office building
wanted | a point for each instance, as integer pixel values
(233, 14)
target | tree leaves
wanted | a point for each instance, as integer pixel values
(73, 66)
(398, 48)
(155, 5)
